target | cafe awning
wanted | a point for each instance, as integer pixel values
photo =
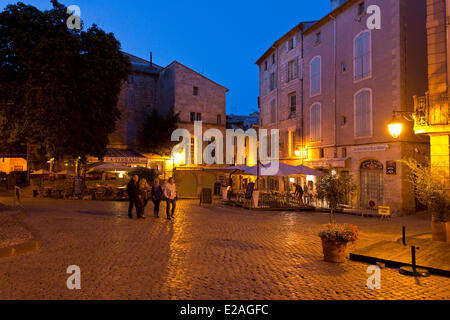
(110, 167)
(65, 173)
(283, 170)
(40, 172)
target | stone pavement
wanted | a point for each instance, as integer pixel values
(206, 253)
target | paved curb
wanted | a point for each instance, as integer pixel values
(25, 247)
(20, 249)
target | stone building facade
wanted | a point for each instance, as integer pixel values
(432, 110)
(338, 83)
(176, 87)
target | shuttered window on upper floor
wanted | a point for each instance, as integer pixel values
(362, 56)
(315, 122)
(273, 118)
(292, 69)
(363, 113)
(315, 76)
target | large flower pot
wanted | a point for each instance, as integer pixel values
(334, 251)
(440, 231)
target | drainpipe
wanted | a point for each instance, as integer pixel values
(446, 19)
(302, 102)
(335, 79)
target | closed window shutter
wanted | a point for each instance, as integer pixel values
(272, 111)
(287, 45)
(362, 56)
(315, 122)
(301, 69)
(363, 125)
(296, 68)
(287, 72)
(275, 78)
(315, 76)
(366, 55)
(295, 41)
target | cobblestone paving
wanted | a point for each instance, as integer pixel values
(206, 253)
(12, 231)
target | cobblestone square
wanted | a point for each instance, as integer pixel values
(213, 252)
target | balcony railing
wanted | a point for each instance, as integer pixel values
(431, 110)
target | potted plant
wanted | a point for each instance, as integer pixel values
(430, 191)
(334, 241)
(335, 189)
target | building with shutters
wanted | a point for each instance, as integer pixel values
(432, 110)
(331, 85)
(174, 87)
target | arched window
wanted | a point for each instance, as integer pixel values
(315, 122)
(315, 75)
(363, 113)
(362, 53)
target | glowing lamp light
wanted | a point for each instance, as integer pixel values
(292, 180)
(395, 128)
(297, 153)
(178, 158)
(121, 174)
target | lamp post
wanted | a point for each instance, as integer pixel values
(395, 126)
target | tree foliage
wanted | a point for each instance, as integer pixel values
(335, 189)
(58, 87)
(156, 132)
(429, 189)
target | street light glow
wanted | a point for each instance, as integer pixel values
(395, 128)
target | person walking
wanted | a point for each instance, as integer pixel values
(144, 188)
(157, 193)
(299, 192)
(170, 194)
(305, 193)
(134, 196)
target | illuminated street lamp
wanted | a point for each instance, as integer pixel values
(395, 126)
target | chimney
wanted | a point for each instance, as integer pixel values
(151, 59)
(336, 3)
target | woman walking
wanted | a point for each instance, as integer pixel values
(144, 188)
(157, 193)
(170, 193)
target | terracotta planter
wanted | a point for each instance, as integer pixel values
(440, 231)
(334, 251)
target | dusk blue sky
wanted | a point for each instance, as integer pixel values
(220, 39)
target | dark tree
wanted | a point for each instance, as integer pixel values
(58, 87)
(156, 133)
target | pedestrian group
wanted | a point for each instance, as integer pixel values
(140, 192)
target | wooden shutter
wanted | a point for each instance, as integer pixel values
(363, 125)
(366, 55)
(296, 68)
(287, 72)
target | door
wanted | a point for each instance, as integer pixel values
(188, 185)
(371, 184)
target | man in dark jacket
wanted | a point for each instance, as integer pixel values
(134, 196)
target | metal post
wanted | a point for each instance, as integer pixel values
(413, 257)
(404, 236)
